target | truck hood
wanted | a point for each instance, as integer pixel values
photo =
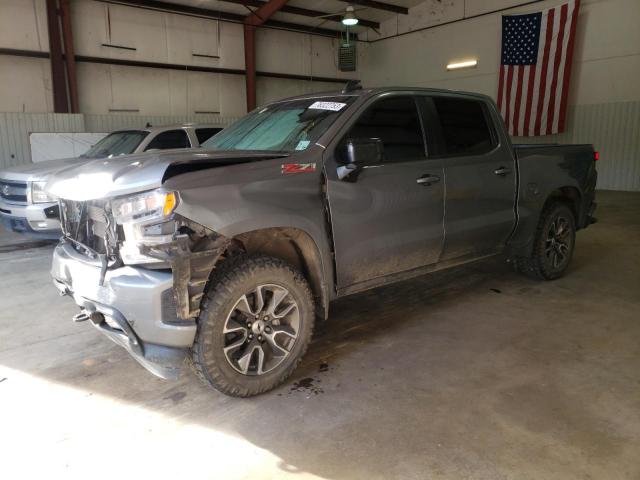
(113, 177)
(30, 172)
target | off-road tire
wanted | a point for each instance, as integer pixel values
(538, 266)
(233, 278)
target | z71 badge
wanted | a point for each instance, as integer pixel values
(298, 168)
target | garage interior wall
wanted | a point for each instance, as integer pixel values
(604, 101)
(116, 96)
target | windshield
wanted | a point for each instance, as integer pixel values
(117, 143)
(281, 127)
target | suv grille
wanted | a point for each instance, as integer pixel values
(15, 192)
(90, 224)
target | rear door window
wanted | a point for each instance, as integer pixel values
(169, 139)
(465, 127)
(204, 134)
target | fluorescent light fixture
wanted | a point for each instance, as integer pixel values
(465, 64)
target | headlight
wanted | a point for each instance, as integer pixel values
(146, 220)
(154, 205)
(38, 195)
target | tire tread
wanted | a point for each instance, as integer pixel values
(533, 266)
(232, 271)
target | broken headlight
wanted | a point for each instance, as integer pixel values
(146, 219)
(152, 205)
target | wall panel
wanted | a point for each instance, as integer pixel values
(613, 128)
(15, 129)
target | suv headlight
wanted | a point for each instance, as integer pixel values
(38, 194)
(146, 219)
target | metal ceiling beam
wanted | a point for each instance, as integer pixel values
(304, 12)
(379, 6)
(266, 11)
(188, 10)
(169, 66)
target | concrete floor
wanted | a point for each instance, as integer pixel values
(473, 373)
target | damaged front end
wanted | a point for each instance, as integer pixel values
(138, 271)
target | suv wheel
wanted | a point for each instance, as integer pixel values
(254, 327)
(554, 244)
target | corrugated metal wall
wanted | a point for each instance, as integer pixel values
(108, 123)
(614, 130)
(16, 127)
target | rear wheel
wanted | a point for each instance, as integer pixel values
(554, 244)
(254, 327)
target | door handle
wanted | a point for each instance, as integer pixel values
(427, 180)
(502, 171)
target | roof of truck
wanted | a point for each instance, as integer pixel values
(360, 92)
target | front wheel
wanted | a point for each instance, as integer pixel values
(255, 325)
(554, 243)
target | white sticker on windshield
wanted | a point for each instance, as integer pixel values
(302, 144)
(335, 106)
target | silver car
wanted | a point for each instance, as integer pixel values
(26, 208)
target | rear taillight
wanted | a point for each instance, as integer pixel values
(596, 156)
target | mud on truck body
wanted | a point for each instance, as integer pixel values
(225, 257)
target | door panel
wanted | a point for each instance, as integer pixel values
(480, 175)
(386, 222)
(388, 217)
(479, 205)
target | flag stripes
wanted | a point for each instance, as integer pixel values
(532, 96)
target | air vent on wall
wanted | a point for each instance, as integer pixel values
(347, 57)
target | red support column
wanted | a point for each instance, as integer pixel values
(60, 100)
(250, 65)
(69, 54)
(251, 21)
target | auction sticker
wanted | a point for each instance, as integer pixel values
(334, 106)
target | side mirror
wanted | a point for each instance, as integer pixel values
(363, 151)
(359, 153)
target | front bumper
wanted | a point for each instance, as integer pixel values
(33, 220)
(133, 306)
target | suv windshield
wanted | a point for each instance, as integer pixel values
(281, 127)
(117, 143)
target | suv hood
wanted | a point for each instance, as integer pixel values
(113, 177)
(30, 172)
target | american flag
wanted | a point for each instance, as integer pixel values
(535, 68)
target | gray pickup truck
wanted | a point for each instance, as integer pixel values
(227, 256)
(26, 208)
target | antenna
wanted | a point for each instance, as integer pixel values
(351, 86)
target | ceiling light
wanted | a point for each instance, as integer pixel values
(465, 64)
(349, 18)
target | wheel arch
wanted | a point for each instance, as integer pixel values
(569, 195)
(294, 246)
(530, 210)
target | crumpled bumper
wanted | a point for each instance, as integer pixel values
(132, 307)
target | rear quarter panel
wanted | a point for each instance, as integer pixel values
(543, 170)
